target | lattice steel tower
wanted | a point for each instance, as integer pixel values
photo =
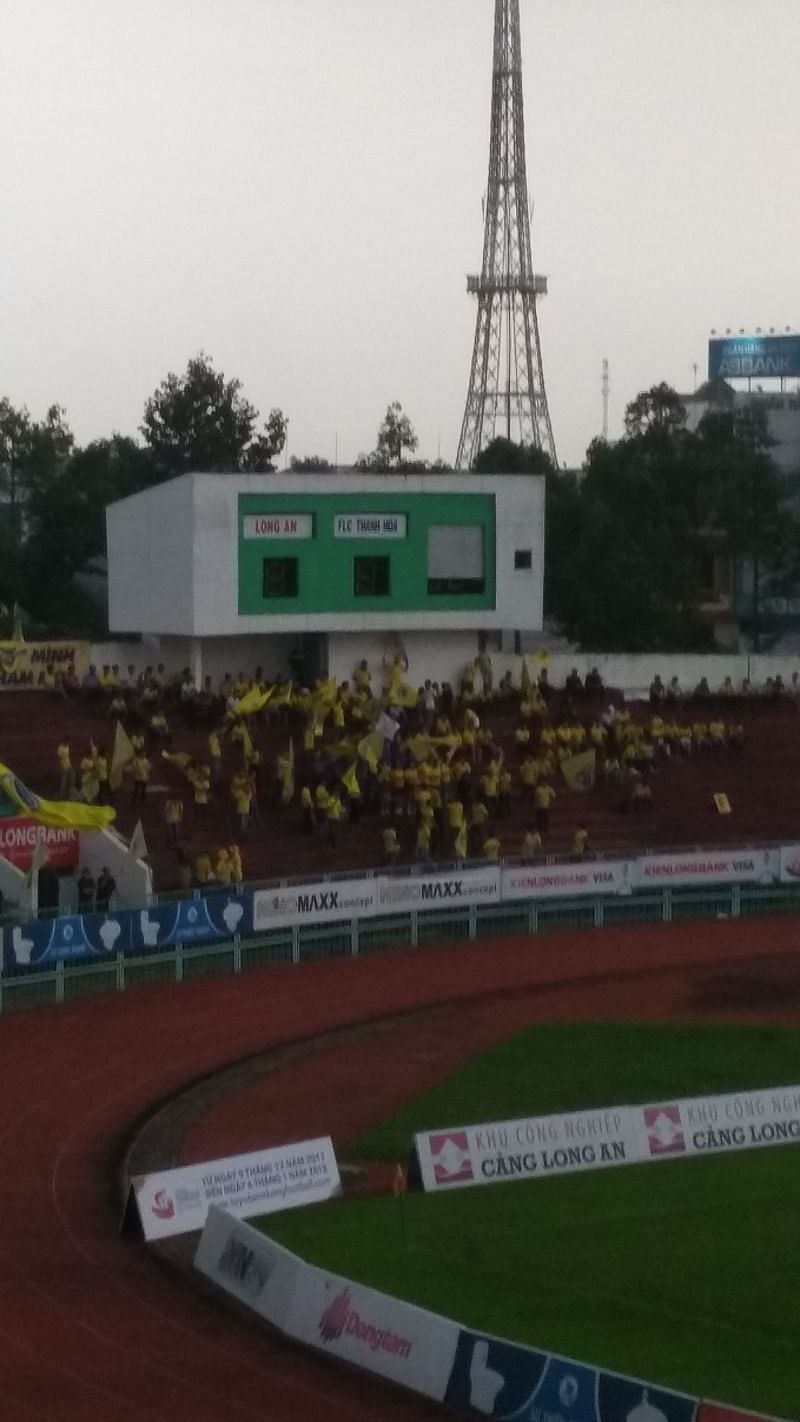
(506, 394)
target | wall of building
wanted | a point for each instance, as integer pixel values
(150, 541)
(431, 656)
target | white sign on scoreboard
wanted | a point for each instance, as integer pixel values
(279, 525)
(370, 525)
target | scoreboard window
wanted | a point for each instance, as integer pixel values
(280, 577)
(371, 577)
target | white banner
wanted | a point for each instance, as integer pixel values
(568, 880)
(711, 866)
(788, 869)
(314, 903)
(431, 891)
(373, 1331)
(278, 525)
(245, 1263)
(369, 525)
(177, 1201)
(617, 1135)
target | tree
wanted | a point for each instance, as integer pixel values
(66, 527)
(395, 435)
(199, 421)
(658, 411)
(32, 455)
(745, 501)
(312, 464)
(504, 456)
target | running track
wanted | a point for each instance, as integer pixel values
(93, 1327)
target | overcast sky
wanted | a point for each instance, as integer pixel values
(294, 186)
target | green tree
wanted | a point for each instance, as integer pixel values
(658, 411)
(32, 456)
(312, 464)
(505, 456)
(201, 421)
(745, 500)
(66, 526)
(395, 435)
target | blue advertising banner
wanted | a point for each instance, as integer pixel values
(751, 357)
(625, 1400)
(518, 1384)
(84, 937)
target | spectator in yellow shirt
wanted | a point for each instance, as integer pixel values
(491, 849)
(531, 844)
(580, 840)
(173, 815)
(391, 845)
(543, 798)
(333, 816)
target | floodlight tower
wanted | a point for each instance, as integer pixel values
(506, 394)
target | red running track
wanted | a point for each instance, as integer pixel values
(93, 1327)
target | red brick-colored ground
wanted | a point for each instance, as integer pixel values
(93, 1327)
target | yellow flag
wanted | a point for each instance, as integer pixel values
(462, 843)
(283, 697)
(579, 770)
(350, 783)
(121, 756)
(179, 759)
(370, 748)
(525, 681)
(57, 814)
(722, 803)
(287, 794)
(252, 701)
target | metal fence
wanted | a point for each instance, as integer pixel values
(303, 943)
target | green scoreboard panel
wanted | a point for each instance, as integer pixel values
(349, 553)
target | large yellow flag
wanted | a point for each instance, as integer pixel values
(121, 756)
(253, 700)
(579, 770)
(370, 749)
(525, 680)
(57, 814)
(350, 782)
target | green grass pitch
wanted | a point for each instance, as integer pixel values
(684, 1272)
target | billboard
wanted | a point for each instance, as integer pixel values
(753, 357)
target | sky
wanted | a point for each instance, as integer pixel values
(295, 186)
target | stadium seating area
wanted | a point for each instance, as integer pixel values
(757, 777)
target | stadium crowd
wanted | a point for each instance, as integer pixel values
(446, 773)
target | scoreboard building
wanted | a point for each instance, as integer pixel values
(283, 571)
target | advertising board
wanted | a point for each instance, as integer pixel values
(539, 1146)
(245, 1263)
(508, 1380)
(373, 1331)
(717, 866)
(177, 1201)
(568, 880)
(19, 837)
(748, 357)
(31, 666)
(318, 902)
(76, 937)
(432, 891)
